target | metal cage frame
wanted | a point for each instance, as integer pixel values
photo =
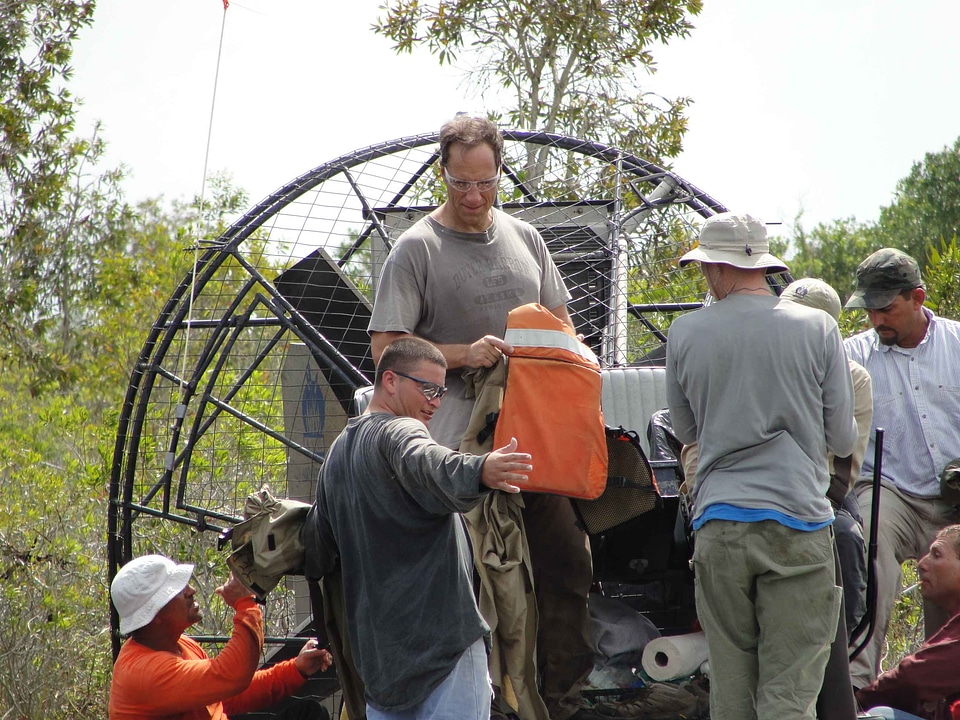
(204, 391)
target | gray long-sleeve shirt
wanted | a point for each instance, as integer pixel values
(388, 502)
(764, 387)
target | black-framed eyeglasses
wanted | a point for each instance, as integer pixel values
(465, 185)
(430, 390)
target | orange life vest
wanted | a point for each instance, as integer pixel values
(552, 405)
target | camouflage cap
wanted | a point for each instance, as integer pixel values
(882, 276)
(950, 482)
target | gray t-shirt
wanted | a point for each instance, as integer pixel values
(389, 497)
(764, 387)
(451, 287)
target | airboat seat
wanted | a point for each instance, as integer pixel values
(644, 561)
(630, 397)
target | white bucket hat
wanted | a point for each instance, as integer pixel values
(144, 586)
(733, 239)
(814, 293)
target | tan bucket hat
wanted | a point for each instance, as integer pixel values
(734, 239)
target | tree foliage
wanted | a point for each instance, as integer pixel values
(58, 217)
(926, 206)
(53, 639)
(830, 251)
(572, 65)
(54, 472)
(923, 221)
(943, 279)
(55, 462)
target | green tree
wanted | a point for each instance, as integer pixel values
(55, 461)
(57, 454)
(942, 277)
(923, 221)
(926, 205)
(572, 65)
(831, 251)
(58, 216)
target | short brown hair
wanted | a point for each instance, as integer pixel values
(951, 534)
(404, 354)
(470, 131)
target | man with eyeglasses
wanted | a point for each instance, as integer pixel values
(451, 279)
(387, 509)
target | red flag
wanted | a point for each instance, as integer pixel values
(226, 4)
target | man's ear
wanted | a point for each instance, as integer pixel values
(389, 381)
(918, 296)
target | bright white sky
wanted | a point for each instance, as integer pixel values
(820, 105)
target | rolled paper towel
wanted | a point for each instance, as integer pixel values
(676, 656)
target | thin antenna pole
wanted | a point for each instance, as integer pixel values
(203, 190)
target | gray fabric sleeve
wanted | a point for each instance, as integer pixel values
(321, 556)
(440, 480)
(681, 414)
(400, 294)
(839, 424)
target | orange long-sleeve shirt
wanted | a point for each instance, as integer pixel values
(151, 684)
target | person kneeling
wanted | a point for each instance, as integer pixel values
(162, 673)
(926, 685)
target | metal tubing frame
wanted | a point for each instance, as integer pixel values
(122, 509)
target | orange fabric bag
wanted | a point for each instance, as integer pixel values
(551, 405)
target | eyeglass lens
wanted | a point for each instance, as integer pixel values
(430, 390)
(465, 185)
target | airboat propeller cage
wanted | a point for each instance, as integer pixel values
(250, 369)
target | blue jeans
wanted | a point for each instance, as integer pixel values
(464, 694)
(853, 561)
(889, 713)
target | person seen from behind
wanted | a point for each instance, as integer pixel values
(764, 389)
(848, 524)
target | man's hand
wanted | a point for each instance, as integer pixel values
(312, 658)
(233, 590)
(505, 466)
(486, 351)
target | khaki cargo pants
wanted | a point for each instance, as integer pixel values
(768, 600)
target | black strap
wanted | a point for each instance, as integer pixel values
(619, 481)
(487, 430)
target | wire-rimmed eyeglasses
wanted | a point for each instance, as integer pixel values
(430, 390)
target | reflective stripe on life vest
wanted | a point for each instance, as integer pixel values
(530, 337)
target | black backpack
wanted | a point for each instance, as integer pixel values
(631, 486)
